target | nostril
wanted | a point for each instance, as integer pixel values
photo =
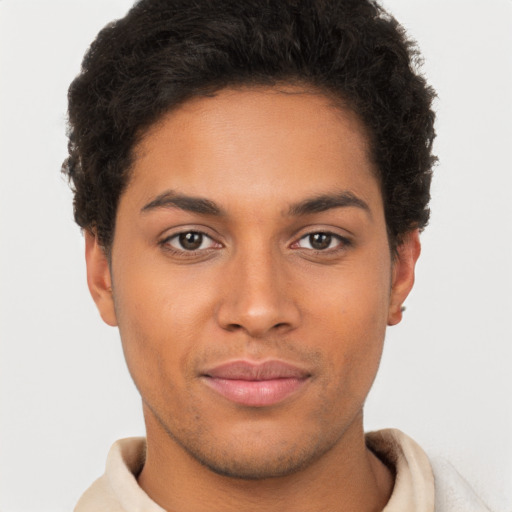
(233, 327)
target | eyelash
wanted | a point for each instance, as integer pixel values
(166, 243)
(343, 243)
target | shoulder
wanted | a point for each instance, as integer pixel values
(453, 493)
(98, 496)
(422, 484)
(117, 489)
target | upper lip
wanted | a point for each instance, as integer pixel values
(247, 370)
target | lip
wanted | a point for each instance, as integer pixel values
(256, 384)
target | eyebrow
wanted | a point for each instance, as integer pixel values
(171, 199)
(326, 202)
(202, 206)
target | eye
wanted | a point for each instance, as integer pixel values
(190, 241)
(321, 241)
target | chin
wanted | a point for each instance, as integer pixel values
(256, 457)
(250, 467)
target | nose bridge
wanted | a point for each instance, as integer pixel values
(257, 298)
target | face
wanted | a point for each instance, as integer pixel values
(251, 278)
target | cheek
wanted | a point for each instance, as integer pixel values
(152, 295)
(349, 320)
(161, 318)
(353, 346)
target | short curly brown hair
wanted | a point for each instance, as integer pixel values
(164, 52)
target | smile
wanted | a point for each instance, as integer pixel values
(256, 385)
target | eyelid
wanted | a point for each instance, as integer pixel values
(345, 241)
(335, 231)
(342, 242)
(204, 238)
(331, 235)
(170, 234)
(189, 228)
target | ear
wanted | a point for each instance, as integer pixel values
(404, 264)
(99, 279)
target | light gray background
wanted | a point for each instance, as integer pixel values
(445, 378)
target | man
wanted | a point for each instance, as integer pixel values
(252, 178)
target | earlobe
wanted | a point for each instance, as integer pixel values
(99, 279)
(408, 253)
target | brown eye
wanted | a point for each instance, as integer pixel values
(190, 241)
(320, 241)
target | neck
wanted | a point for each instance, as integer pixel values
(349, 477)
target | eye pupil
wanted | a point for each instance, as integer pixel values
(320, 241)
(191, 241)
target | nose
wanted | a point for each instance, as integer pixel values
(258, 297)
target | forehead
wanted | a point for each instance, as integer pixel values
(253, 142)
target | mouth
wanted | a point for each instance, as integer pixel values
(256, 384)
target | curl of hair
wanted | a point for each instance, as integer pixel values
(164, 52)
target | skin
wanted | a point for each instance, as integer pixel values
(255, 290)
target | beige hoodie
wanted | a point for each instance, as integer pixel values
(420, 486)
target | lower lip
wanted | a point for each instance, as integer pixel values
(255, 393)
